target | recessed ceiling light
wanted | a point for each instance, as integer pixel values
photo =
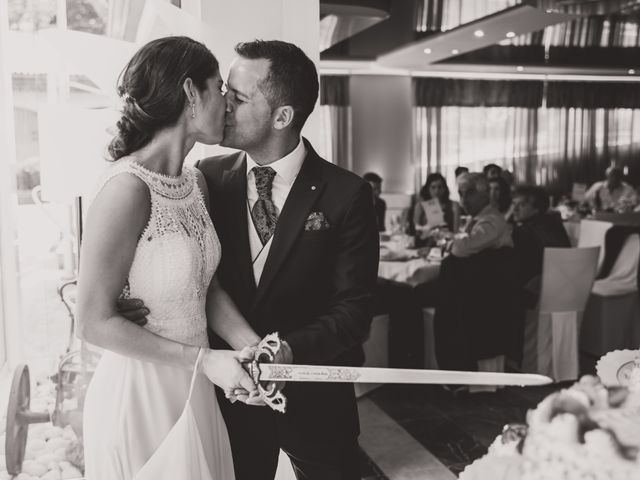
(520, 68)
(479, 33)
(510, 34)
(631, 71)
(455, 51)
(427, 51)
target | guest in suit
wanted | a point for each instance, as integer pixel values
(379, 204)
(500, 194)
(535, 229)
(435, 192)
(459, 171)
(492, 171)
(300, 256)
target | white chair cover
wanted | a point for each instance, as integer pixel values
(623, 277)
(551, 331)
(592, 234)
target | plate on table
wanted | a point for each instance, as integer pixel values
(614, 368)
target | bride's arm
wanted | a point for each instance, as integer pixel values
(226, 321)
(116, 220)
(223, 316)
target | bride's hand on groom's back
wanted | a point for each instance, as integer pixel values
(133, 309)
(224, 368)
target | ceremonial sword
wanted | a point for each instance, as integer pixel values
(263, 370)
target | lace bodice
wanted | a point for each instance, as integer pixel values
(176, 256)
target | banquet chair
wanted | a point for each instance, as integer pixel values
(592, 234)
(376, 351)
(551, 330)
(493, 364)
(612, 317)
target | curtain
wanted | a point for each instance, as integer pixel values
(440, 92)
(335, 112)
(441, 15)
(447, 137)
(554, 147)
(553, 135)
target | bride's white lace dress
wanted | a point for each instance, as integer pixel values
(138, 423)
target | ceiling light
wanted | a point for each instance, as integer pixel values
(510, 34)
(455, 51)
(427, 51)
(631, 71)
(520, 68)
(479, 33)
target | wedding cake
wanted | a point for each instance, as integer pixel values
(588, 431)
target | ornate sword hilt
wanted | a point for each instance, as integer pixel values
(266, 353)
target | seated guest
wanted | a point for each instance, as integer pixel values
(435, 209)
(500, 194)
(459, 171)
(477, 308)
(380, 205)
(612, 194)
(535, 229)
(492, 171)
(487, 229)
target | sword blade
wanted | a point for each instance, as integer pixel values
(322, 373)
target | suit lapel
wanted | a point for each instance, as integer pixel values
(304, 192)
(235, 185)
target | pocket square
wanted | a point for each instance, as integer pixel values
(316, 221)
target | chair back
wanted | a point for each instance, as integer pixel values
(623, 277)
(567, 278)
(592, 234)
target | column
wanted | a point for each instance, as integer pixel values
(10, 344)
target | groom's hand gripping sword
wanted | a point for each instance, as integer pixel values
(263, 370)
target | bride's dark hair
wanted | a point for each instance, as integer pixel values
(151, 88)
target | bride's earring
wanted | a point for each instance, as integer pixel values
(193, 110)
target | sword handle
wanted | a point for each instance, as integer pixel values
(266, 353)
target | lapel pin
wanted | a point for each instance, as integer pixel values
(313, 187)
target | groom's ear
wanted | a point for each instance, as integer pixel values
(282, 117)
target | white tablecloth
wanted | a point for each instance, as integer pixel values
(413, 272)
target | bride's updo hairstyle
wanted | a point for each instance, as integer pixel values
(151, 89)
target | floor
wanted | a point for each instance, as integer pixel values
(425, 432)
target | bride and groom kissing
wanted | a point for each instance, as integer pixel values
(271, 238)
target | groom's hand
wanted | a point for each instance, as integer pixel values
(133, 309)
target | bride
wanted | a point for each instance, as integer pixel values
(150, 410)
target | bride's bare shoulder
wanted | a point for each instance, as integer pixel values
(123, 197)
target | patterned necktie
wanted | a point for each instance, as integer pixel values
(264, 212)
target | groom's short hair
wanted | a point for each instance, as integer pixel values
(292, 78)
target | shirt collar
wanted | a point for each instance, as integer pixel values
(288, 166)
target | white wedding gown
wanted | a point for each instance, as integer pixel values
(140, 421)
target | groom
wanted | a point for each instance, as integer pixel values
(300, 256)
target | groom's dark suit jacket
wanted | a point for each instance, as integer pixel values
(317, 284)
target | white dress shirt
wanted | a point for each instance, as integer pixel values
(287, 169)
(489, 230)
(612, 199)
